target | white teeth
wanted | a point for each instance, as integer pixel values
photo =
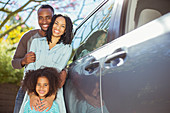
(56, 31)
(45, 25)
(41, 92)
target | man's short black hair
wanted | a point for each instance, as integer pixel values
(46, 6)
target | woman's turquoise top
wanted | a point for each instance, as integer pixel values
(53, 109)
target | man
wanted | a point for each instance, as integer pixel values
(23, 57)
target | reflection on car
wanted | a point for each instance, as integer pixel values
(121, 59)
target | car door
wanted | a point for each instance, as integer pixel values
(135, 70)
(82, 88)
(86, 87)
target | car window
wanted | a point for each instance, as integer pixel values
(140, 12)
(92, 34)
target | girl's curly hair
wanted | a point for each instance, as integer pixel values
(30, 80)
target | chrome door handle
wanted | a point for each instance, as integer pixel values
(92, 67)
(115, 59)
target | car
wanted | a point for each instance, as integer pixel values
(121, 59)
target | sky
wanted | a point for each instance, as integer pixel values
(90, 4)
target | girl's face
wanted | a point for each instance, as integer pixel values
(42, 87)
(59, 26)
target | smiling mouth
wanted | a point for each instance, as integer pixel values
(45, 25)
(41, 92)
(56, 31)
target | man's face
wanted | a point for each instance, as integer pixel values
(44, 18)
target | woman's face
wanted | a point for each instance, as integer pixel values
(42, 87)
(59, 27)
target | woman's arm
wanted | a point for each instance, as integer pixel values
(63, 76)
(47, 103)
(41, 105)
(65, 58)
(34, 101)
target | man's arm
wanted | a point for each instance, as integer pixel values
(20, 52)
(46, 103)
(21, 57)
(41, 105)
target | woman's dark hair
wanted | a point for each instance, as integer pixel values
(30, 80)
(66, 38)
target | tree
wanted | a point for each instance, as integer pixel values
(7, 73)
(14, 35)
(14, 15)
(14, 8)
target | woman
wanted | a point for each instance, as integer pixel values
(54, 50)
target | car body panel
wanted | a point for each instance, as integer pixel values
(141, 83)
(127, 73)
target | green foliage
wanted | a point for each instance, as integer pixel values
(8, 45)
(7, 73)
(14, 36)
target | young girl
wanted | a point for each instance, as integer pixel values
(43, 82)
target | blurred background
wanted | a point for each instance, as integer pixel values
(16, 18)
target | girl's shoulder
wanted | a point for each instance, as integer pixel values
(27, 108)
(55, 108)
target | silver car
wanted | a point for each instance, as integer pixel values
(121, 62)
